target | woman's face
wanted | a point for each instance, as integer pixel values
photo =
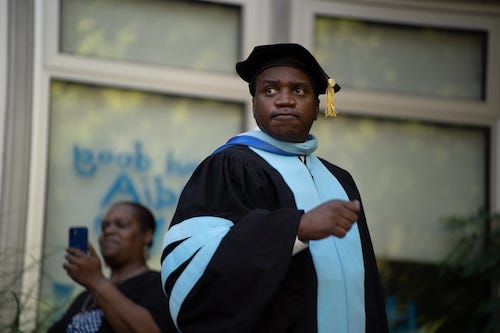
(122, 239)
(285, 103)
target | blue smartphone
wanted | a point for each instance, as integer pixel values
(78, 237)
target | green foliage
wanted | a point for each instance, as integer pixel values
(458, 294)
(476, 256)
(12, 308)
(10, 324)
(16, 316)
(443, 298)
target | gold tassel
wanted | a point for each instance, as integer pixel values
(330, 110)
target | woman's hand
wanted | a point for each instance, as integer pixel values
(84, 269)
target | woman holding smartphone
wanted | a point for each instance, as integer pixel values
(131, 298)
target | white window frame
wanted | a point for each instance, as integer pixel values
(50, 64)
(405, 106)
(4, 26)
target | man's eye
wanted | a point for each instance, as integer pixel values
(300, 90)
(270, 91)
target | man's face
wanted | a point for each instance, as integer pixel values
(285, 104)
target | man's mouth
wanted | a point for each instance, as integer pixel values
(283, 116)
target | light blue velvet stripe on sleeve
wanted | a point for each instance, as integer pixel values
(202, 236)
(194, 226)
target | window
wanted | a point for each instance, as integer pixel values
(405, 73)
(108, 144)
(420, 60)
(164, 33)
(411, 176)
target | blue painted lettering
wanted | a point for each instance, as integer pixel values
(86, 162)
(122, 187)
(124, 161)
(105, 157)
(174, 166)
(165, 197)
(83, 162)
(153, 193)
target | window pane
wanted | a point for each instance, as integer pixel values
(404, 59)
(109, 144)
(172, 33)
(411, 176)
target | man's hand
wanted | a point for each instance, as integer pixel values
(333, 217)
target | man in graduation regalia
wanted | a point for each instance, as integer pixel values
(267, 237)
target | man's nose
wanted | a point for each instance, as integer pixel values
(285, 97)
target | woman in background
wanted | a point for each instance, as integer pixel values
(131, 299)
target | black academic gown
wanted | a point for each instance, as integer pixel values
(253, 283)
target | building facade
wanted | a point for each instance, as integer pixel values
(102, 100)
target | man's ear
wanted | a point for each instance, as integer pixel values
(317, 109)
